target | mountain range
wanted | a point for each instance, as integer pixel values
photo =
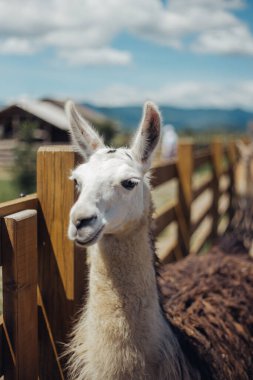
(183, 119)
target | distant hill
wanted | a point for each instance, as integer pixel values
(195, 120)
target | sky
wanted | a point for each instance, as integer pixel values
(183, 53)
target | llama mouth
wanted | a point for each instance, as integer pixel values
(91, 239)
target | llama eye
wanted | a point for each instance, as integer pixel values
(129, 184)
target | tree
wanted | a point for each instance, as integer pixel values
(24, 170)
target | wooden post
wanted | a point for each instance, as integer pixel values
(217, 161)
(185, 172)
(232, 157)
(19, 236)
(61, 267)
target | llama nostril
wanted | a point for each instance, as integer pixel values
(85, 221)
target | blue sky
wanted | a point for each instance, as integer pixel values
(186, 53)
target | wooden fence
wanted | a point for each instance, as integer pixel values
(220, 160)
(44, 274)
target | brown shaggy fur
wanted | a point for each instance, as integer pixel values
(209, 304)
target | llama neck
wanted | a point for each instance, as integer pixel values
(125, 265)
(123, 315)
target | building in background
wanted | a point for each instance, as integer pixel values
(51, 123)
(49, 115)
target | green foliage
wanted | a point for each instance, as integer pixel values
(108, 129)
(24, 170)
(121, 139)
(8, 190)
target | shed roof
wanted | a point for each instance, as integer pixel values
(51, 111)
(88, 113)
(43, 110)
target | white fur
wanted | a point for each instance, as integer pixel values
(121, 333)
(101, 192)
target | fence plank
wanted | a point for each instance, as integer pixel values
(61, 266)
(185, 195)
(203, 187)
(16, 205)
(19, 293)
(207, 211)
(217, 160)
(163, 173)
(164, 216)
(20, 204)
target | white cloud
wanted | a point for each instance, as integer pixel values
(89, 27)
(103, 56)
(16, 46)
(186, 94)
(237, 40)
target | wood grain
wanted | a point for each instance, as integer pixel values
(61, 267)
(20, 204)
(16, 205)
(185, 166)
(19, 235)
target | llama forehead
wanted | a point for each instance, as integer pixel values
(109, 165)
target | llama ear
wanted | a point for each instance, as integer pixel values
(148, 134)
(85, 139)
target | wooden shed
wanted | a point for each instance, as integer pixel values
(51, 124)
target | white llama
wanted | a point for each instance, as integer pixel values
(122, 333)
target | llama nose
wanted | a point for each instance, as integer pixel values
(85, 221)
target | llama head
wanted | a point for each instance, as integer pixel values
(112, 186)
(244, 169)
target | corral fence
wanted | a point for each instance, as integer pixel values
(44, 274)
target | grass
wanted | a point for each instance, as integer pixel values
(8, 189)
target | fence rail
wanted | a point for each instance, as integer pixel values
(44, 273)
